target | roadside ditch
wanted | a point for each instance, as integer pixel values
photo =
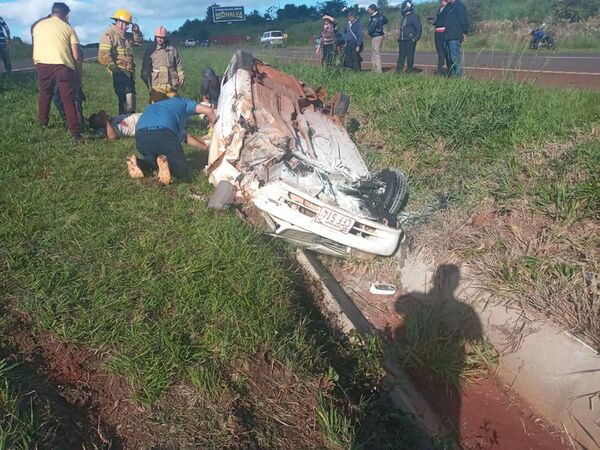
(527, 384)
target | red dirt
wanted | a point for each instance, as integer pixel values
(93, 407)
(486, 416)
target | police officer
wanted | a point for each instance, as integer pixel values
(162, 70)
(116, 53)
(410, 33)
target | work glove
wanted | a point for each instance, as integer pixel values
(112, 68)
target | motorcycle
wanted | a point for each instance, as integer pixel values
(541, 39)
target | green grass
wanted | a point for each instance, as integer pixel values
(151, 276)
(454, 352)
(458, 139)
(18, 421)
(167, 290)
(516, 147)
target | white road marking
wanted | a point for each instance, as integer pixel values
(554, 72)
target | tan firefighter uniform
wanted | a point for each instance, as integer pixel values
(116, 53)
(163, 71)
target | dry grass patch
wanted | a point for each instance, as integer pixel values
(525, 258)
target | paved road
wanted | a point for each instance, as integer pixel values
(559, 69)
(538, 61)
(22, 65)
(563, 69)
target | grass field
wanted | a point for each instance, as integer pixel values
(182, 303)
(191, 307)
(512, 170)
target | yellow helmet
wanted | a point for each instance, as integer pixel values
(123, 15)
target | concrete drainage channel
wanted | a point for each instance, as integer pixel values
(557, 376)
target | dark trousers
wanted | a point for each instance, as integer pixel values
(5, 55)
(406, 54)
(442, 53)
(152, 142)
(79, 99)
(124, 86)
(328, 56)
(49, 76)
(352, 58)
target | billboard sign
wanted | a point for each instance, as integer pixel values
(228, 14)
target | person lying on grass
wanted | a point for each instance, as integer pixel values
(123, 125)
(158, 136)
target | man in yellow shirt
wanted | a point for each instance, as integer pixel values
(57, 59)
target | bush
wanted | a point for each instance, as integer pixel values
(576, 10)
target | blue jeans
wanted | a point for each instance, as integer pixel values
(455, 58)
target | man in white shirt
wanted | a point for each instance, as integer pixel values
(123, 125)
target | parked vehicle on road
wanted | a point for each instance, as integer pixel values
(190, 43)
(540, 39)
(280, 153)
(273, 38)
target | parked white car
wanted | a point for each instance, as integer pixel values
(280, 152)
(190, 43)
(273, 38)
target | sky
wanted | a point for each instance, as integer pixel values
(91, 17)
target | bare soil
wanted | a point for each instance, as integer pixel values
(89, 407)
(486, 415)
(483, 414)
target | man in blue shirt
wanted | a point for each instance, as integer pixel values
(158, 136)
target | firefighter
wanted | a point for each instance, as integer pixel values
(116, 53)
(162, 71)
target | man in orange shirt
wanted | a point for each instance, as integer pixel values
(57, 58)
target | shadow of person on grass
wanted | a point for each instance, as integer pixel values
(433, 342)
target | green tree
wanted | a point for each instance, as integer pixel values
(209, 13)
(576, 10)
(334, 8)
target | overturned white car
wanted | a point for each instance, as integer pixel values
(280, 150)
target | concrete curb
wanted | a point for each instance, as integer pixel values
(343, 314)
(556, 374)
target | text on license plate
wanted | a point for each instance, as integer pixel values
(334, 220)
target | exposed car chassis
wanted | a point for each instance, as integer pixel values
(281, 152)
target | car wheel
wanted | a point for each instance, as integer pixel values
(396, 189)
(341, 104)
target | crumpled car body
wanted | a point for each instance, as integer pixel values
(283, 153)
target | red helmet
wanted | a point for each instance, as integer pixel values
(161, 32)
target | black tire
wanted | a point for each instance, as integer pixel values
(549, 42)
(340, 108)
(395, 195)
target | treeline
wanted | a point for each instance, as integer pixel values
(533, 10)
(201, 28)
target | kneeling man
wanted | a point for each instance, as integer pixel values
(158, 136)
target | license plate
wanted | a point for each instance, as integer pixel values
(335, 220)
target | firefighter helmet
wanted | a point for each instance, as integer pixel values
(123, 15)
(161, 32)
